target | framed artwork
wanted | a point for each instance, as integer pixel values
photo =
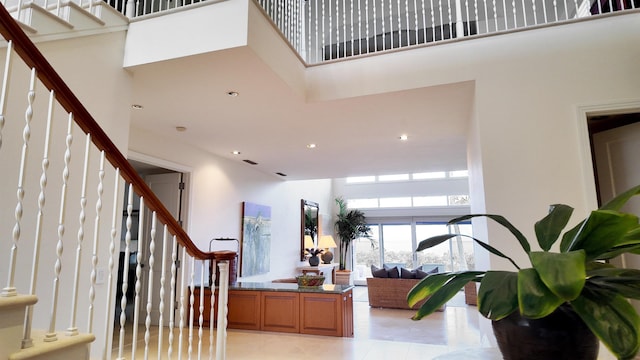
(255, 246)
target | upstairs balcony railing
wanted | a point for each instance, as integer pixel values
(322, 30)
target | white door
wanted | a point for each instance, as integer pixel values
(616, 152)
(167, 188)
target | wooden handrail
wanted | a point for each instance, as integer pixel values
(24, 47)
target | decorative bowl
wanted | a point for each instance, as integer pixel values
(310, 281)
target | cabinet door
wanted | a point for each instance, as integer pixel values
(321, 314)
(280, 311)
(244, 310)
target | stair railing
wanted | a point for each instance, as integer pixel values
(34, 218)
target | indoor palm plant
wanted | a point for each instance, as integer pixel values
(577, 278)
(349, 225)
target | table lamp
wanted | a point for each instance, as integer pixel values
(326, 242)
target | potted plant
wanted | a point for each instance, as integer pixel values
(576, 282)
(349, 225)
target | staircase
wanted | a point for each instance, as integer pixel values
(60, 294)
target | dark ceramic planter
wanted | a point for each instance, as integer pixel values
(561, 335)
(314, 260)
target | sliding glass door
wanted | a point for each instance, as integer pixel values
(396, 241)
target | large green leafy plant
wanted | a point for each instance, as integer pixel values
(578, 275)
(350, 225)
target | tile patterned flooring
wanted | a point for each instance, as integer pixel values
(458, 333)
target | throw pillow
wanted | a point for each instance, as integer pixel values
(421, 274)
(393, 272)
(378, 272)
(407, 274)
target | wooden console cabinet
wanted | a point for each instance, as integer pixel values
(284, 307)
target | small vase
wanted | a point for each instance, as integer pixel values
(560, 335)
(314, 260)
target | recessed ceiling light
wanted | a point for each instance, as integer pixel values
(233, 93)
(311, 146)
(181, 128)
(236, 152)
(403, 137)
(137, 106)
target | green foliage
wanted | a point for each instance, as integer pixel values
(577, 275)
(349, 225)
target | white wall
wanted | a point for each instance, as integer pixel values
(219, 186)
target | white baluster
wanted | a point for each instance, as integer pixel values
(191, 312)
(130, 9)
(406, 11)
(495, 15)
(441, 20)
(450, 18)
(182, 304)
(201, 309)
(555, 8)
(125, 271)
(344, 28)
(375, 24)
(475, 5)
(112, 248)
(459, 23)
(466, 5)
(391, 22)
(330, 30)
(73, 329)
(416, 25)
(504, 10)
(172, 296)
(535, 16)
(352, 34)
(5, 86)
(515, 19)
(162, 293)
(223, 296)
(139, 257)
(424, 21)
(384, 34)
(323, 32)
(10, 290)
(51, 334)
(26, 339)
(212, 302)
(433, 23)
(96, 241)
(152, 248)
(524, 13)
(399, 24)
(486, 16)
(544, 11)
(360, 25)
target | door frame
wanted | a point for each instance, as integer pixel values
(583, 113)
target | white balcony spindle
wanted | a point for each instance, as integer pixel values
(382, 25)
(495, 16)
(10, 290)
(433, 23)
(544, 11)
(162, 291)
(344, 28)
(51, 335)
(450, 19)
(150, 273)
(330, 30)
(375, 28)
(115, 216)
(96, 241)
(533, 10)
(5, 88)
(391, 27)
(504, 14)
(555, 8)
(416, 26)
(424, 21)
(352, 31)
(223, 296)
(441, 20)
(172, 297)
(524, 13)
(360, 26)
(138, 287)
(515, 19)
(72, 330)
(125, 271)
(26, 338)
(466, 6)
(486, 17)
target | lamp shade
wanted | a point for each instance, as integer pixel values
(326, 242)
(308, 242)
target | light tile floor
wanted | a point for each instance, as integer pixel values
(458, 333)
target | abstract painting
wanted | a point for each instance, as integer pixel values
(256, 239)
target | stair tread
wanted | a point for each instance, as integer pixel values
(18, 300)
(41, 347)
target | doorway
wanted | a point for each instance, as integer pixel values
(615, 145)
(171, 187)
